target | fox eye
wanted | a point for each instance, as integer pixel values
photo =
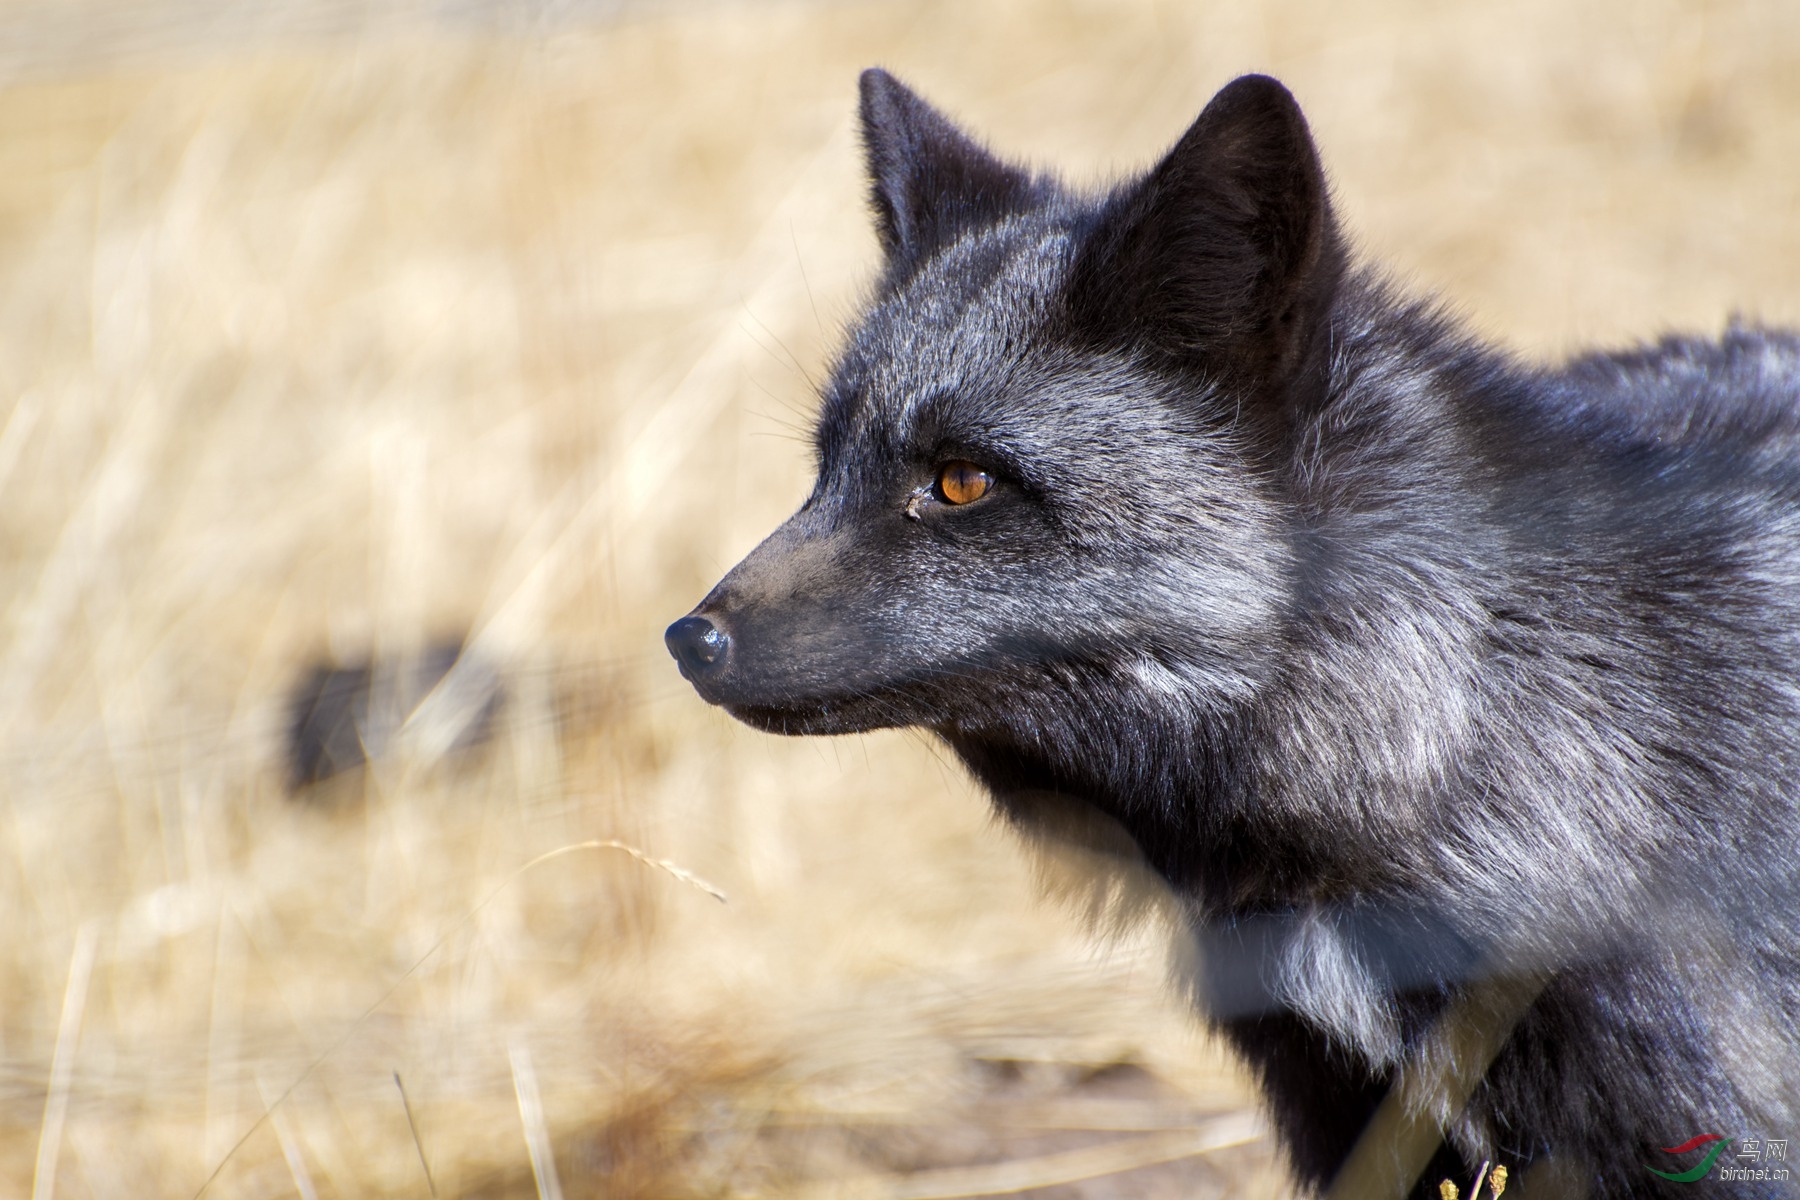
(962, 482)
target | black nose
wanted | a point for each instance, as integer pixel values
(697, 644)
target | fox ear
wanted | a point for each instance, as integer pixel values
(928, 181)
(1224, 258)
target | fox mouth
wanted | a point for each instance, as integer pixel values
(711, 659)
(849, 714)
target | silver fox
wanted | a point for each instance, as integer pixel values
(1413, 670)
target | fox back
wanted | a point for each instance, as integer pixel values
(1415, 671)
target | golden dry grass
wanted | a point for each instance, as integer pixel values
(336, 330)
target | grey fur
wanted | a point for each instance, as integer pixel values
(1405, 664)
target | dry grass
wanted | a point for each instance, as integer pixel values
(335, 331)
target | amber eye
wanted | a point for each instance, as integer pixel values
(963, 482)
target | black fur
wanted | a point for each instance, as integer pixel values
(1406, 665)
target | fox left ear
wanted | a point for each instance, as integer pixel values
(1224, 258)
(928, 181)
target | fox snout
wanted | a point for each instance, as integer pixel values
(792, 641)
(779, 639)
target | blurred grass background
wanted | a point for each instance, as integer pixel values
(330, 330)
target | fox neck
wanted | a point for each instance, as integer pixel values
(1184, 793)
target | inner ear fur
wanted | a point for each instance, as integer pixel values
(1223, 259)
(929, 182)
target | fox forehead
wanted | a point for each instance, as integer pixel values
(955, 339)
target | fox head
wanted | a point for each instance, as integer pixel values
(1044, 455)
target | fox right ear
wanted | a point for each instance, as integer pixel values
(1224, 258)
(928, 181)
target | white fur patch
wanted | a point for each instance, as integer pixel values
(1320, 976)
(1159, 680)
